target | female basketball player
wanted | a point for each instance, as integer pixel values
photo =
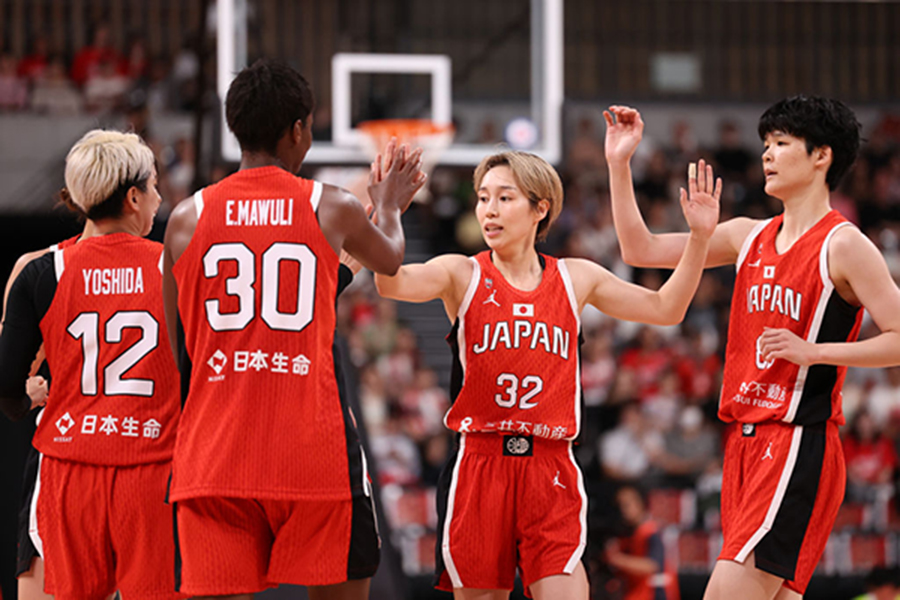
(803, 278)
(108, 429)
(512, 496)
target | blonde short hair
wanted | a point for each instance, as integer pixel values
(102, 163)
(536, 178)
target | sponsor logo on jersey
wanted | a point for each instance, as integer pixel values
(263, 212)
(217, 361)
(523, 334)
(108, 282)
(65, 423)
(492, 299)
(518, 445)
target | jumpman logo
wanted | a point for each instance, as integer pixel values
(491, 299)
(556, 481)
(768, 453)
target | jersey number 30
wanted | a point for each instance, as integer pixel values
(241, 286)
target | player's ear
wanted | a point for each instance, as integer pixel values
(542, 208)
(823, 155)
(131, 197)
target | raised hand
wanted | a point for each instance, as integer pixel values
(395, 176)
(700, 204)
(624, 130)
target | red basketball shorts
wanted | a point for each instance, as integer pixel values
(507, 502)
(781, 490)
(106, 528)
(230, 546)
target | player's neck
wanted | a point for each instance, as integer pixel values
(107, 227)
(802, 212)
(521, 268)
(255, 160)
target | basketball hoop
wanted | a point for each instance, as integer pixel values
(425, 133)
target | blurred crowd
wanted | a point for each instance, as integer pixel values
(97, 78)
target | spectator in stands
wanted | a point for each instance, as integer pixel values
(32, 67)
(598, 367)
(135, 64)
(732, 157)
(697, 363)
(380, 334)
(395, 453)
(398, 368)
(13, 89)
(871, 460)
(53, 94)
(625, 451)
(586, 154)
(640, 556)
(689, 449)
(883, 400)
(424, 404)
(105, 87)
(648, 360)
(89, 59)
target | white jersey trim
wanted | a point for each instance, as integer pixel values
(582, 517)
(816, 325)
(570, 292)
(748, 242)
(59, 263)
(316, 195)
(445, 542)
(33, 530)
(777, 499)
(198, 202)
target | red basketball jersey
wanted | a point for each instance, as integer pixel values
(791, 291)
(518, 355)
(257, 287)
(115, 384)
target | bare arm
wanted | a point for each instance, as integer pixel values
(445, 277)
(179, 230)
(640, 247)
(859, 271)
(623, 300)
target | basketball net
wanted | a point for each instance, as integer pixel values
(425, 133)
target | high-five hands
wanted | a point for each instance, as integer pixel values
(395, 176)
(700, 203)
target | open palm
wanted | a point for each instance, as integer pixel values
(700, 203)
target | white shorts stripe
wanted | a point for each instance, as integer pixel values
(33, 530)
(445, 544)
(582, 517)
(775, 505)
